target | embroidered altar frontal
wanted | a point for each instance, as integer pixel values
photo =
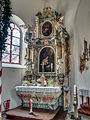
(43, 97)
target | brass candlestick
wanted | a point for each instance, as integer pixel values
(75, 102)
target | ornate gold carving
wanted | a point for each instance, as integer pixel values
(61, 81)
(47, 11)
(27, 56)
(58, 40)
(85, 57)
(37, 27)
(83, 64)
(68, 58)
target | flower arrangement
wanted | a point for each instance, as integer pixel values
(38, 81)
(26, 83)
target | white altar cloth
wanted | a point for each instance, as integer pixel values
(38, 89)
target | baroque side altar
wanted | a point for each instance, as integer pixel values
(47, 62)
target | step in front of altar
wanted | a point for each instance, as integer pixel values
(43, 97)
(21, 113)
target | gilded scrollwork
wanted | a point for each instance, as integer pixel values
(84, 57)
(49, 34)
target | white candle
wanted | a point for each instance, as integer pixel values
(51, 66)
(32, 55)
(74, 89)
(32, 66)
(55, 41)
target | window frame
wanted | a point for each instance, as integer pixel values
(11, 45)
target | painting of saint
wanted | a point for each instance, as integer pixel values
(46, 60)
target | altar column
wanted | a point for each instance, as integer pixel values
(63, 57)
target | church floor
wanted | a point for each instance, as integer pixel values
(23, 114)
(85, 117)
(60, 115)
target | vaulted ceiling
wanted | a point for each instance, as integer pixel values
(26, 9)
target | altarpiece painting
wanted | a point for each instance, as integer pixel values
(46, 60)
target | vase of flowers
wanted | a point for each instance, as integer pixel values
(38, 82)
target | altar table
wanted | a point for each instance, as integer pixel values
(43, 97)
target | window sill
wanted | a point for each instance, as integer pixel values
(12, 65)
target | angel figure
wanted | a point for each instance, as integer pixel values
(59, 24)
(29, 32)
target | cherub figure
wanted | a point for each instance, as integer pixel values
(29, 32)
(59, 24)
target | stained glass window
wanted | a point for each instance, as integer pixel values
(12, 51)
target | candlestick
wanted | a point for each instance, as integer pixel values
(32, 56)
(74, 89)
(55, 41)
(89, 50)
(30, 106)
(75, 102)
(63, 51)
(51, 67)
(32, 66)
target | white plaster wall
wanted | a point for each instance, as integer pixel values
(12, 74)
(82, 29)
(77, 22)
(10, 79)
(70, 16)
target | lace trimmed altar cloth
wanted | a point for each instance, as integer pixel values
(38, 89)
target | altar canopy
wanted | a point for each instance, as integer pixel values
(47, 62)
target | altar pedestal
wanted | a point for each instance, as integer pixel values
(43, 97)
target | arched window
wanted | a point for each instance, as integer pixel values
(12, 51)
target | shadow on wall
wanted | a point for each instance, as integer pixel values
(14, 101)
